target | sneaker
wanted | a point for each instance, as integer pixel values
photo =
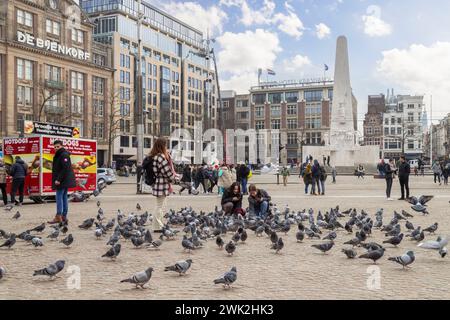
(401, 199)
(390, 199)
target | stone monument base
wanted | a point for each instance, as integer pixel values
(368, 156)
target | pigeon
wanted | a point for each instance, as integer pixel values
(181, 267)
(350, 253)
(10, 242)
(115, 237)
(409, 225)
(373, 255)
(138, 207)
(443, 252)
(156, 244)
(17, 215)
(371, 246)
(300, 235)
(52, 270)
(113, 252)
(140, 278)
(274, 237)
(98, 203)
(8, 207)
(395, 241)
(230, 248)
(324, 247)
(219, 242)
(419, 237)
(432, 229)
(87, 224)
(137, 241)
(331, 236)
(187, 244)
(236, 237)
(419, 205)
(67, 241)
(353, 242)
(54, 235)
(39, 228)
(228, 278)
(438, 244)
(98, 233)
(244, 235)
(278, 246)
(2, 272)
(405, 260)
(406, 214)
(37, 242)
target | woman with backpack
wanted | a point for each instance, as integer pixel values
(164, 174)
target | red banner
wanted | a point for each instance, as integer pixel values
(83, 155)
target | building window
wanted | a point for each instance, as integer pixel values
(386, 131)
(80, 125)
(292, 138)
(124, 141)
(399, 130)
(275, 111)
(242, 115)
(98, 85)
(24, 69)
(53, 27)
(259, 112)
(124, 109)
(292, 110)
(410, 132)
(124, 77)
(313, 138)
(77, 80)
(259, 125)
(291, 97)
(314, 95)
(369, 130)
(242, 103)
(386, 121)
(259, 98)
(99, 59)
(53, 73)
(376, 131)
(99, 107)
(275, 97)
(77, 36)
(77, 104)
(24, 18)
(313, 123)
(410, 106)
(292, 123)
(275, 124)
(24, 95)
(410, 117)
(125, 61)
(411, 143)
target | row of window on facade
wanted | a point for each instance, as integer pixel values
(125, 142)
(26, 19)
(275, 124)
(290, 97)
(147, 52)
(410, 118)
(292, 110)
(390, 144)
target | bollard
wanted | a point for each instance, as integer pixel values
(278, 178)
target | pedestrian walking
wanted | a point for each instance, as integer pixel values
(199, 179)
(307, 177)
(328, 161)
(244, 171)
(389, 176)
(63, 178)
(404, 170)
(3, 175)
(334, 174)
(315, 178)
(186, 180)
(324, 160)
(436, 168)
(285, 174)
(18, 173)
(165, 175)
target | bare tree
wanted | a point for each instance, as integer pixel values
(46, 94)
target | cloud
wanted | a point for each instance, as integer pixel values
(241, 83)
(290, 24)
(322, 30)
(297, 64)
(193, 14)
(247, 51)
(374, 26)
(257, 17)
(420, 69)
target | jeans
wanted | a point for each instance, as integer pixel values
(244, 185)
(17, 184)
(316, 180)
(158, 216)
(263, 208)
(62, 202)
(322, 184)
(334, 179)
(5, 196)
(437, 175)
(388, 187)
(306, 188)
(404, 184)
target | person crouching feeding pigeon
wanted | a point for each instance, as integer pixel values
(63, 178)
(164, 175)
(232, 200)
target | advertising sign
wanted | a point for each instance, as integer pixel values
(33, 127)
(83, 155)
(28, 150)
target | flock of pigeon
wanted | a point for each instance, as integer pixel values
(199, 227)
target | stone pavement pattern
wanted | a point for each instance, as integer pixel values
(300, 272)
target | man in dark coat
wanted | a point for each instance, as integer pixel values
(63, 178)
(404, 170)
(18, 173)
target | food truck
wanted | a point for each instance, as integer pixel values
(37, 151)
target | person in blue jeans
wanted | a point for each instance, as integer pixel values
(243, 174)
(258, 201)
(63, 178)
(315, 178)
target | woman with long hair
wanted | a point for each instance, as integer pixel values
(164, 175)
(232, 200)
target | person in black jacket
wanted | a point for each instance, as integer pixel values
(63, 178)
(232, 200)
(389, 175)
(404, 170)
(258, 201)
(186, 179)
(18, 173)
(243, 174)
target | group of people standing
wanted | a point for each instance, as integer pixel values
(390, 171)
(441, 170)
(314, 174)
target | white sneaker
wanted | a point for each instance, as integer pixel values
(390, 199)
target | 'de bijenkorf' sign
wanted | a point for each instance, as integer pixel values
(52, 46)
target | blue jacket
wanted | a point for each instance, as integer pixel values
(18, 170)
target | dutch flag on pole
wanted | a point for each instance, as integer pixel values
(271, 72)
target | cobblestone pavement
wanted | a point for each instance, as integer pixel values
(298, 273)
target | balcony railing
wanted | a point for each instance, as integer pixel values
(54, 84)
(54, 109)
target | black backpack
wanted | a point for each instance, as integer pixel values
(149, 174)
